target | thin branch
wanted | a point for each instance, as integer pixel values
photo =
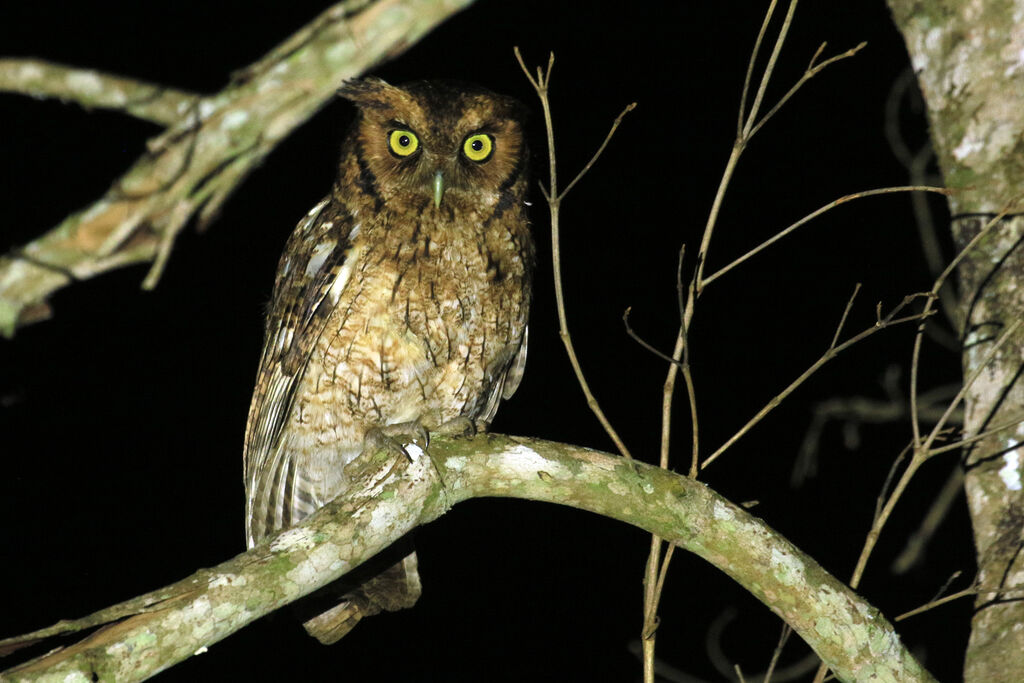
(94, 89)
(1014, 591)
(768, 70)
(811, 216)
(600, 150)
(888, 321)
(846, 313)
(554, 198)
(967, 441)
(812, 71)
(921, 455)
(749, 128)
(967, 592)
(745, 128)
(916, 164)
(777, 652)
(694, 429)
(750, 67)
(890, 476)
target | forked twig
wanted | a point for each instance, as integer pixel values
(893, 318)
(921, 454)
(554, 198)
(812, 71)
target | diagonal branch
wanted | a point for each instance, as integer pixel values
(208, 150)
(893, 318)
(848, 633)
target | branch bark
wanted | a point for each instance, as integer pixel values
(90, 88)
(208, 149)
(169, 625)
(967, 57)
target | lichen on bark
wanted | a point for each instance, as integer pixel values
(969, 59)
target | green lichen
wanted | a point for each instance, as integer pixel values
(824, 627)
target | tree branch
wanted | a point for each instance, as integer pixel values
(388, 500)
(94, 89)
(208, 150)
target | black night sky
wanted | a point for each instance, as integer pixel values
(122, 417)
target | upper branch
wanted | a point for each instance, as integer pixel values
(210, 145)
(90, 88)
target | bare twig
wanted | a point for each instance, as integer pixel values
(777, 652)
(921, 455)
(922, 449)
(967, 441)
(749, 124)
(916, 164)
(811, 216)
(740, 120)
(834, 350)
(554, 198)
(1013, 592)
(846, 314)
(812, 71)
(965, 593)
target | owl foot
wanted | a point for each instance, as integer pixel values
(458, 426)
(397, 438)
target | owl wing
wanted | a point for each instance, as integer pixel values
(515, 372)
(505, 373)
(310, 276)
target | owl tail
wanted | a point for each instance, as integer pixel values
(397, 587)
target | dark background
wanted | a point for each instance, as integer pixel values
(122, 418)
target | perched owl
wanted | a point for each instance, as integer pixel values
(400, 304)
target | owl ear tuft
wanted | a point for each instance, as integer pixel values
(370, 92)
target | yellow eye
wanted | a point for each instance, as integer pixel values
(478, 147)
(403, 142)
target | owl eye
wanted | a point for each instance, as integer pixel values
(478, 147)
(403, 142)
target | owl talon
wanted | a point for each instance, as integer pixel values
(458, 426)
(396, 437)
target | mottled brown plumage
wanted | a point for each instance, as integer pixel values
(401, 297)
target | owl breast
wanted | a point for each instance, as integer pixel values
(425, 330)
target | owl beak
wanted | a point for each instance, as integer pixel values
(438, 188)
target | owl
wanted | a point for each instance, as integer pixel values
(400, 305)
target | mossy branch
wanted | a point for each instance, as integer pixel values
(167, 626)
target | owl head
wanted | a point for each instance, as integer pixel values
(437, 145)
